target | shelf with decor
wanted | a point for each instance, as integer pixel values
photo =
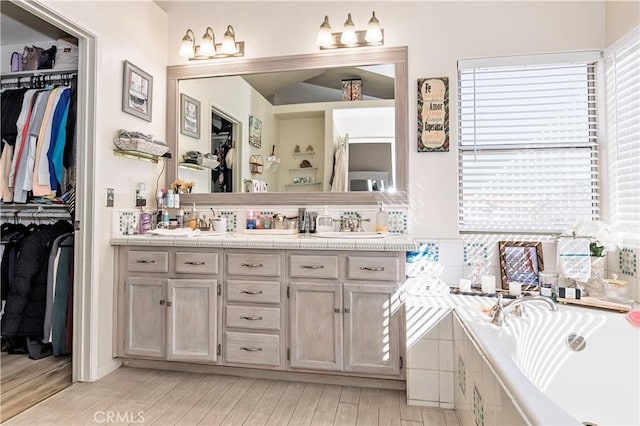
(297, 185)
(138, 155)
(303, 154)
(303, 170)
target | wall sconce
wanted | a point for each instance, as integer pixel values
(208, 49)
(349, 37)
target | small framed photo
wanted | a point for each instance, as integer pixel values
(352, 90)
(137, 92)
(189, 116)
(255, 132)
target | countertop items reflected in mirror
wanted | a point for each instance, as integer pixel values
(280, 94)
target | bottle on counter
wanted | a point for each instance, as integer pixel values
(324, 222)
(251, 221)
(382, 220)
(180, 217)
(170, 200)
(165, 218)
(176, 200)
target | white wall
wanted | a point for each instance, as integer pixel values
(620, 18)
(135, 31)
(437, 35)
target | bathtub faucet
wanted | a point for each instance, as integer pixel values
(499, 310)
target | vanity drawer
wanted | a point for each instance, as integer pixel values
(252, 348)
(306, 266)
(256, 318)
(378, 268)
(148, 261)
(259, 265)
(196, 263)
(252, 291)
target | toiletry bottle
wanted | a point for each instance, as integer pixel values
(159, 200)
(251, 222)
(170, 199)
(180, 218)
(176, 200)
(324, 222)
(165, 218)
(381, 220)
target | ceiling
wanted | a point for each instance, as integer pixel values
(18, 26)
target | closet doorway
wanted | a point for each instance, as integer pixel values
(29, 370)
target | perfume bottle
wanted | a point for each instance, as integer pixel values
(381, 220)
(324, 222)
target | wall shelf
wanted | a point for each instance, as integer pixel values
(194, 166)
(303, 170)
(304, 154)
(297, 185)
(137, 155)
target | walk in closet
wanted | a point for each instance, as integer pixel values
(37, 191)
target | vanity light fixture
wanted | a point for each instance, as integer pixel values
(208, 49)
(349, 37)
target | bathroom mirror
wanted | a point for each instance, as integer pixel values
(390, 179)
(520, 261)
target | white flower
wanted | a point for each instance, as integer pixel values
(598, 232)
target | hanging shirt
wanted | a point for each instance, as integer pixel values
(41, 186)
(58, 140)
(5, 166)
(22, 126)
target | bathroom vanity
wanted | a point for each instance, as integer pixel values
(248, 304)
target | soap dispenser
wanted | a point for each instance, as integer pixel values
(324, 222)
(381, 220)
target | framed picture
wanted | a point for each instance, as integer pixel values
(433, 114)
(352, 90)
(137, 92)
(520, 261)
(189, 116)
(255, 132)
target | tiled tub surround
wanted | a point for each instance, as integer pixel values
(522, 373)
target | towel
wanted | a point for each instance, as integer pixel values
(574, 258)
(178, 232)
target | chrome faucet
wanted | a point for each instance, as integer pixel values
(351, 224)
(499, 310)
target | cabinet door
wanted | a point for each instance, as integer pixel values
(316, 326)
(145, 316)
(372, 319)
(192, 320)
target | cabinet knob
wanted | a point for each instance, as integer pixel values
(346, 310)
(244, 348)
(252, 265)
(169, 303)
(336, 310)
(372, 268)
(251, 318)
(250, 292)
(162, 302)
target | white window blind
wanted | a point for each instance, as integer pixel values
(527, 146)
(623, 135)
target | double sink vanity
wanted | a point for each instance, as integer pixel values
(285, 304)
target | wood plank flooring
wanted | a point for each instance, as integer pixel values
(144, 396)
(25, 382)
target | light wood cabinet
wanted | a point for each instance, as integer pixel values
(145, 317)
(315, 323)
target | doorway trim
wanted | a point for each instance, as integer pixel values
(84, 357)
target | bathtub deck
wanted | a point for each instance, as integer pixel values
(141, 396)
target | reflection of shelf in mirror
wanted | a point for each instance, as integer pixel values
(140, 155)
(297, 185)
(302, 170)
(303, 154)
(193, 166)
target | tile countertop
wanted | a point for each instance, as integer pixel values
(396, 243)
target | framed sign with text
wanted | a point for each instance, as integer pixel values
(433, 114)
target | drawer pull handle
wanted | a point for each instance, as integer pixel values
(312, 266)
(145, 261)
(169, 303)
(346, 310)
(244, 348)
(250, 292)
(194, 263)
(251, 318)
(372, 268)
(162, 302)
(252, 265)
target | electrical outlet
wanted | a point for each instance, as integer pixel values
(110, 197)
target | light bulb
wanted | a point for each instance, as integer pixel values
(187, 46)
(229, 42)
(325, 38)
(374, 33)
(349, 32)
(208, 45)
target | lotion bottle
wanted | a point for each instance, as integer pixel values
(381, 220)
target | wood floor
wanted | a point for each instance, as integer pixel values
(24, 382)
(142, 396)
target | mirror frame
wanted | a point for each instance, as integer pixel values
(324, 59)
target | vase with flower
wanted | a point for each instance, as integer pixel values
(603, 238)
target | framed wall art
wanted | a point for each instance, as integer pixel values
(255, 132)
(520, 261)
(352, 90)
(137, 92)
(433, 114)
(189, 116)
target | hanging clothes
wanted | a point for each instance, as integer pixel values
(339, 183)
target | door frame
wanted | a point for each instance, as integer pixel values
(84, 357)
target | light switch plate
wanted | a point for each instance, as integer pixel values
(110, 197)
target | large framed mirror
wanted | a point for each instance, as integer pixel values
(276, 125)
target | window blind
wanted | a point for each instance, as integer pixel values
(622, 70)
(527, 138)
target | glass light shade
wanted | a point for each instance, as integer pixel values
(325, 38)
(187, 49)
(374, 33)
(229, 42)
(349, 32)
(208, 44)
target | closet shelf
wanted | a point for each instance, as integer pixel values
(18, 74)
(33, 206)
